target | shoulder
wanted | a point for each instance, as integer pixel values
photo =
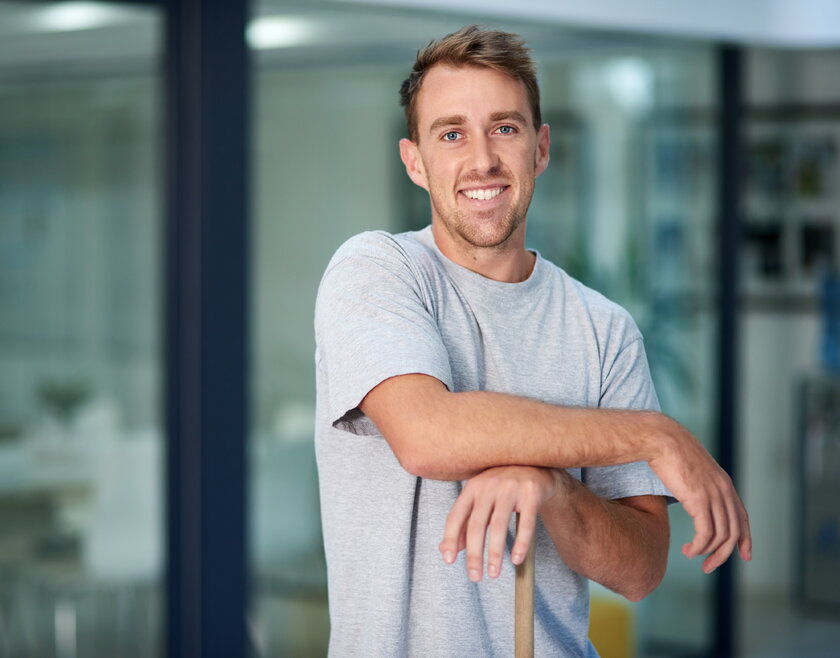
(604, 315)
(377, 264)
(402, 249)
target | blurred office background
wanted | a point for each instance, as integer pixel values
(107, 497)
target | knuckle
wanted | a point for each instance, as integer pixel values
(523, 545)
(474, 563)
(475, 525)
(499, 524)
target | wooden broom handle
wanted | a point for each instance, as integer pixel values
(523, 630)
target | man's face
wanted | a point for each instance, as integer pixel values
(478, 155)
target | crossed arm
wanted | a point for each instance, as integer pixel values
(479, 435)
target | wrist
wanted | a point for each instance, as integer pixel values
(563, 486)
(661, 438)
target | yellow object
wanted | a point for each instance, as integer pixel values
(611, 627)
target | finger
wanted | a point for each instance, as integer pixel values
(704, 531)
(524, 534)
(462, 539)
(497, 538)
(719, 556)
(454, 531)
(717, 531)
(745, 539)
(476, 532)
(723, 513)
(721, 553)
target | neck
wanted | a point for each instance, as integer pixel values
(509, 262)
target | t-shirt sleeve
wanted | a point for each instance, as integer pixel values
(627, 385)
(372, 322)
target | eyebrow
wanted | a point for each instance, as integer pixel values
(454, 120)
(512, 115)
(460, 119)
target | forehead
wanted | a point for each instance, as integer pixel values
(469, 91)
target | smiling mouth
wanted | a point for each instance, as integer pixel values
(484, 194)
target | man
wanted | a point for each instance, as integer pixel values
(462, 378)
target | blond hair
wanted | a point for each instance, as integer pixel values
(473, 46)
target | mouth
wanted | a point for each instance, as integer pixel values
(484, 193)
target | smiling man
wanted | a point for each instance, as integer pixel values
(463, 378)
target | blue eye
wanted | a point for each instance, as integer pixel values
(451, 136)
(506, 130)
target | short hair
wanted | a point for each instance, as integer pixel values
(473, 46)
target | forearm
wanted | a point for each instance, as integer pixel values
(448, 436)
(621, 545)
(454, 436)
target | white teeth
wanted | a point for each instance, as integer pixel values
(484, 195)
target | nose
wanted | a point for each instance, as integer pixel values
(483, 157)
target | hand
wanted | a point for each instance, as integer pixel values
(708, 495)
(484, 509)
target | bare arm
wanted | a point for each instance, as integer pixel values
(447, 436)
(621, 544)
(453, 436)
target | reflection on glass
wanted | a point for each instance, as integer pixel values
(80, 428)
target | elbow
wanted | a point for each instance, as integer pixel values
(642, 587)
(639, 593)
(412, 456)
(413, 462)
(406, 410)
(423, 464)
(423, 459)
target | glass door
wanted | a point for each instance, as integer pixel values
(81, 463)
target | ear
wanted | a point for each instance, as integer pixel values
(543, 148)
(410, 155)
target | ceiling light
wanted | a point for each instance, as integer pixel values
(631, 82)
(70, 16)
(279, 32)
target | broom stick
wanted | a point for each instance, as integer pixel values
(523, 630)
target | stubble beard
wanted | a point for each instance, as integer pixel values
(480, 230)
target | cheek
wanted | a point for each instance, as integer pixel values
(440, 172)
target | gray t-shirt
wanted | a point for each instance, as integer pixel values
(391, 305)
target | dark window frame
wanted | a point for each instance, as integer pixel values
(208, 73)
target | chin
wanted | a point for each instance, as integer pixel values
(491, 234)
(488, 239)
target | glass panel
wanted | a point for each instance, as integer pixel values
(611, 209)
(80, 366)
(627, 206)
(790, 445)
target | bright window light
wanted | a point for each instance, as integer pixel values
(70, 16)
(631, 83)
(279, 32)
